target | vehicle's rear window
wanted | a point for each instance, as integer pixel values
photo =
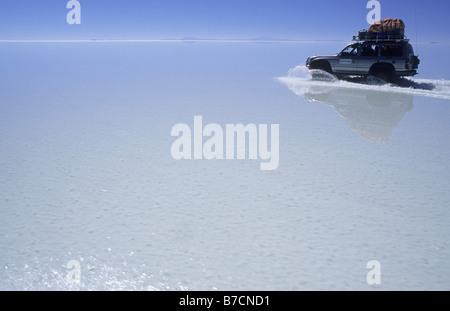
(409, 49)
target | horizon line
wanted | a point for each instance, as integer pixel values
(274, 40)
(185, 40)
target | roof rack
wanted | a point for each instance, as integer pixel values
(391, 36)
(388, 39)
(376, 39)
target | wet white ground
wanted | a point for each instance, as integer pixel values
(87, 174)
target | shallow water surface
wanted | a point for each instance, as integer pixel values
(87, 174)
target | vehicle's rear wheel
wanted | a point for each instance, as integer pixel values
(386, 76)
(384, 73)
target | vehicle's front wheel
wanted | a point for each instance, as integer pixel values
(322, 65)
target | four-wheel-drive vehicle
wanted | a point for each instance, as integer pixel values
(385, 59)
(383, 51)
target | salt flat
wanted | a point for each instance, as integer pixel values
(87, 173)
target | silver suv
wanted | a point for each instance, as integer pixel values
(385, 59)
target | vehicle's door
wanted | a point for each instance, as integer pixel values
(368, 55)
(346, 62)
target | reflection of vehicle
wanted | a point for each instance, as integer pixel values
(386, 59)
(373, 114)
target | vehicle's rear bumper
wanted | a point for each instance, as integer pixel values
(406, 73)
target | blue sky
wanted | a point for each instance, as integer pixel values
(237, 19)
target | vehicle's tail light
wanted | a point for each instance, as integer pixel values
(407, 66)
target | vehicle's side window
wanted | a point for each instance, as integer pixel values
(392, 50)
(369, 50)
(350, 51)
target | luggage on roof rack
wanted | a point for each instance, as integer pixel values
(388, 24)
(385, 29)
